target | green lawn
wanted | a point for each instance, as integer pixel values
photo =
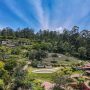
(44, 76)
(41, 76)
(61, 60)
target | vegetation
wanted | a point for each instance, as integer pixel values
(24, 49)
(70, 41)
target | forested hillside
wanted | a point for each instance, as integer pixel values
(74, 42)
(29, 59)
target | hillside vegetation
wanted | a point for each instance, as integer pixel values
(23, 51)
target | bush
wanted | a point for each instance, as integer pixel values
(1, 84)
(15, 51)
(82, 52)
(67, 60)
(67, 54)
(54, 55)
(1, 64)
(70, 80)
(89, 83)
(10, 64)
(38, 55)
(34, 63)
(53, 61)
(55, 65)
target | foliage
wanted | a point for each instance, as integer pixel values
(82, 51)
(34, 63)
(1, 84)
(15, 51)
(10, 65)
(54, 55)
(38, 55)
(61, 81)
(1, 64)
(35, 46)
(70, 41)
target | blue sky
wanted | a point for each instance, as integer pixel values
(45, 14)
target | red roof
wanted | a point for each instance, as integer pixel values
(47, 85)
(88, 65)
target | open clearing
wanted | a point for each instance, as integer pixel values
(46, 70)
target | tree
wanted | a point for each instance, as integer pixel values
(88, 53)
(62, 78)
(66, 47)
(34, 63)
(74, 34)
(60, 82)
(23, 79)
(82, 52)
(25, 33)
(38, 55)
(10, 65)
(7, 33)
(15, 51)
(2, 54)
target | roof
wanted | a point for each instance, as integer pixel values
(88, 65)
(85, 67)
(47, 85)
(88, 71)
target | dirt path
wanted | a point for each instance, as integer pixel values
(26, 66)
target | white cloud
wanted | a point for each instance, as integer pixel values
(58, 29)
(42, 18)
(74, 13)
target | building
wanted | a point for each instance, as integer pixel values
(86, 67)
(4, 42)
(47, 85)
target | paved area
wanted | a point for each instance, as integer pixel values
(45, 70)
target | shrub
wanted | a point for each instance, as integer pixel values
(15, 51)
(1, 84)
(82, 51)
(67, 54)
(54, 55)
(53, 61)
(10, 64)
(1, 64)
(34, 63)
(89, 83)
(67, 60)
(38, 55)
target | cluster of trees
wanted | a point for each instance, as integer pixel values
(11, 73)
(9, 33)
(73, 42)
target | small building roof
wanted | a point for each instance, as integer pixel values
(47, 85)
(88, 71)
(87, 65)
